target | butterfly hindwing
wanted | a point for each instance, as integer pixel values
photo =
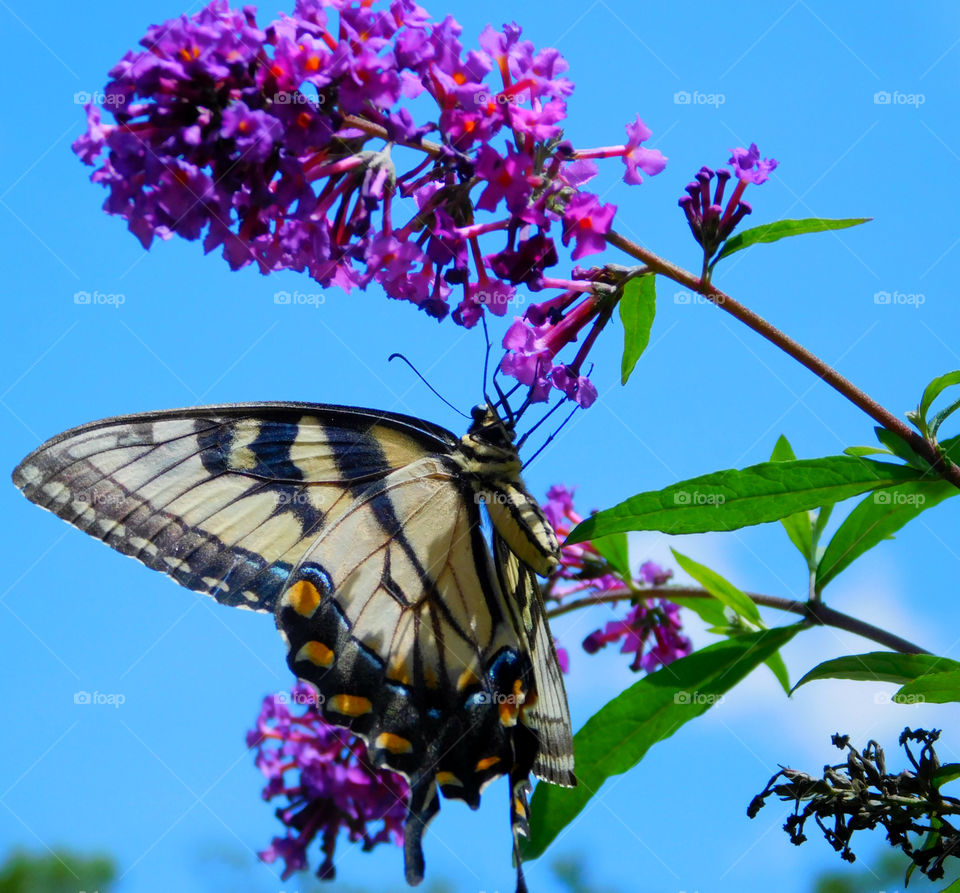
(409, 641)
(548, 715)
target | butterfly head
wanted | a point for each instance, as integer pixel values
(489, 443)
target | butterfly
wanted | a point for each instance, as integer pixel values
(363, 532)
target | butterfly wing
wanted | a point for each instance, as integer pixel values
(362, 533)
(224, 499)
(409, 640)
(548, 716)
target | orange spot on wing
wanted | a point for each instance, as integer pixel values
(317, 653)
(393, 743)
(304, 597)
(486, 763)
(350, 705)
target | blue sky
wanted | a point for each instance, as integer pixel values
(163, 782)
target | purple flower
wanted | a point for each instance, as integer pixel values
(651, 630)
(636, 158)
(506, 179)
(711, 223)
(529, 358)
(489, 294)
(328, 782)
(587, 221)
(748, 166)
(275, 144)
(578, 388)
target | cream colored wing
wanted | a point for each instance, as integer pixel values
(396, 617)
(224, 499)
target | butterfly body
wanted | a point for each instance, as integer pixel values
(362, 532)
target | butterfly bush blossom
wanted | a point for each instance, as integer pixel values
(323, 773)
(651, 630)
(710, 222)
(294, 145)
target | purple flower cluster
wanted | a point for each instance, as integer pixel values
(324, 774)
(710, 222)
(651, 630)
(280, 145)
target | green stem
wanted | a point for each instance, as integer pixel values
(948, 471)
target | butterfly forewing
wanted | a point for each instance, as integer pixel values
(225, 499)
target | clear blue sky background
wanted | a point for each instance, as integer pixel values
(164, 782)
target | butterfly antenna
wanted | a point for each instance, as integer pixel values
(551, 437)
(546, 416)
(486, 356)
(400, 356)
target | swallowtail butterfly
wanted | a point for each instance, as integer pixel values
(362, 532)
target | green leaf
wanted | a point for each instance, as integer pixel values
(880, 666)
(877, 517)
(941, 687)
(934, 389)
(726, 500)
(941, 417)
(708, 609)
(614, 549)
(946, 773)
(721, 589)
(781, 229)
(953, 888)
(899, 447)
(638, 306)
(779, 668)
(866, 451)
(798, 526)
(616, 738)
